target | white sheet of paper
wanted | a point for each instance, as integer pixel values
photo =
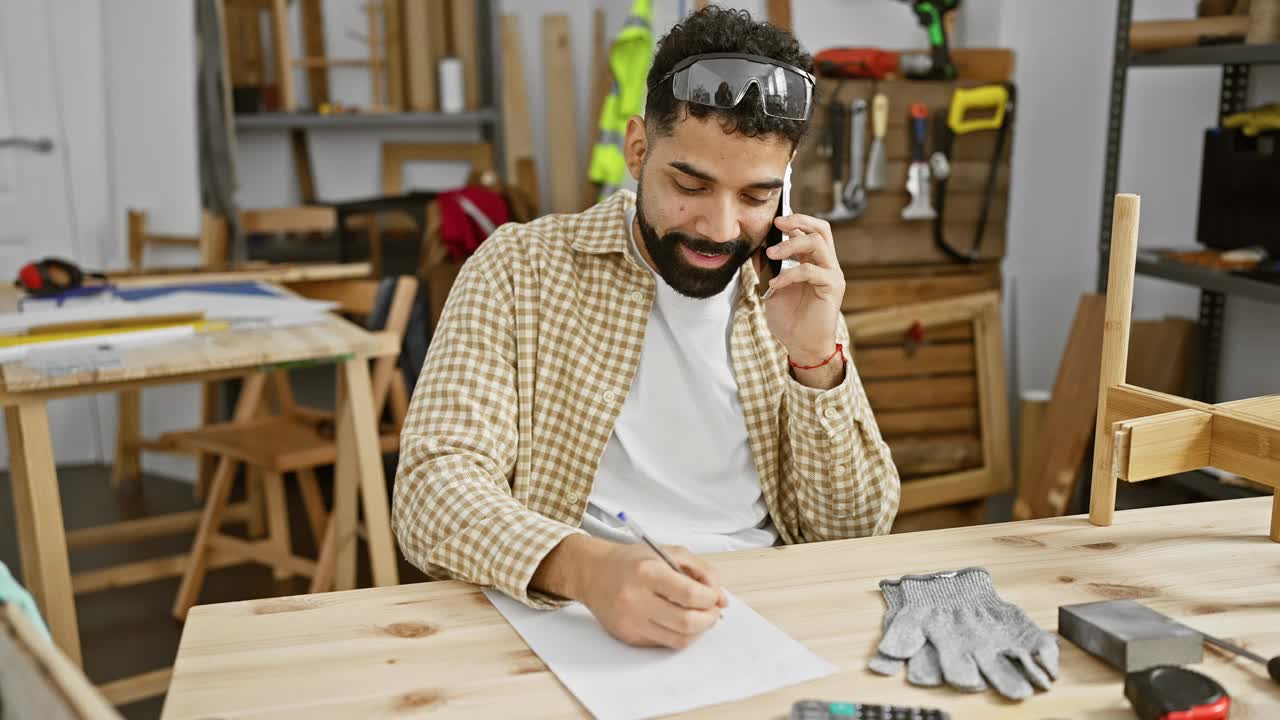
(742, 656)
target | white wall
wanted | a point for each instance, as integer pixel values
(149, 74)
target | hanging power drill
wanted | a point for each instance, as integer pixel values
(932, 16)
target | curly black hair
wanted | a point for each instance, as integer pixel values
(714, 29)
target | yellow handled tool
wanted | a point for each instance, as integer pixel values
(983, 97)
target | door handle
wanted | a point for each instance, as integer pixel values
(40, 145)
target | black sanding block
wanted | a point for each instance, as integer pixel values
(1128, 635)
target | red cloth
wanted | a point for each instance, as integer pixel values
(459, 232)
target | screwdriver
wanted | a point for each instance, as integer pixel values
(1273, 665)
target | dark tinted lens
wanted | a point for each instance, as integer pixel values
(721, 82)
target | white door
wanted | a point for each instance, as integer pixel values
(37, 212)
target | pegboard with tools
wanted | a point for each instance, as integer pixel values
(880, 235)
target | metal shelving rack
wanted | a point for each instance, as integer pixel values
(487, 120)
(1236, 61)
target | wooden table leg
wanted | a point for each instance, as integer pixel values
(128, 432)
(41, 535)
(360, 465)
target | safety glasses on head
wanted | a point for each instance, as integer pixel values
(721, 79)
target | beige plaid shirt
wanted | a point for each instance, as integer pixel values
(527, 372)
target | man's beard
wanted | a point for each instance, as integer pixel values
(683, 277)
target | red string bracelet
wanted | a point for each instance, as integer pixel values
(839, 351)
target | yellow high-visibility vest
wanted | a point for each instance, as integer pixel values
(629, 59)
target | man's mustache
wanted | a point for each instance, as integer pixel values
(708, 247)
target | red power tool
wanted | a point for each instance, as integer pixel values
(870, 62)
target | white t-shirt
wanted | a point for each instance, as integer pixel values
(678, 460)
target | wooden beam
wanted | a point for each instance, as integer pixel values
(139, 687)
(420, 57)
(928, 314)
(1127, 402)
(1164, 444)
(465, 24)
(1267, 406)
(993, 396)
(562, 114)
(283, 64)
(1246, 445)
(919, 393)
(391, 10)
(875, 363)
(263, 552)
(147, 527)
(313, 47)
(1115, 350)
(864, 294)
(779, 13)
(143, 571)
(931, 420)
(301, 149)
(601, 79)
(947, 489)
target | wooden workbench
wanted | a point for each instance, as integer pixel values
(25, 392)
(441, 647)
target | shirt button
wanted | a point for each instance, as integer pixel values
(840, 469)
(638, 295)
(609, 396)
(573, 498)
(831, 413)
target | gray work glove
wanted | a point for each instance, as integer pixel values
(922, 668)
(977, 634)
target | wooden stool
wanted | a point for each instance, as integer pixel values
(1143, 434)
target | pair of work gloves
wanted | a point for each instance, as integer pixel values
(953, 627)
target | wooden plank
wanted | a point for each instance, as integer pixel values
(993, 397)
(41, 536)
(952, 332)
(779, 13)
(1115, 349)
(910, 242)
(1267, 406)
(420, 60)
(147, 527)
(876, 363)
(950, 516)
(466, 37)
(298, 219)
(38, 681)
(263, 552)
(562, 114)
(358, 440)
(1246, 445)
(916, 393)
(1069, 418)
(139, 687)
(1165, 444)
(273, 273)
(236, 661)
(948, 489)
(932, 420)
(126, 467)
(277, 522)
(931, 314)
(395, 155)
(313, 47)
(872, 293)
(936, 454)
(144, 571)
(283, 64)
(1031, 414)
(394, 32)
(601, 80)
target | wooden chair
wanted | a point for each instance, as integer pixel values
(1143, 434)
(295, 440)
(212, 244)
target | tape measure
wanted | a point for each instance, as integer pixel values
(1168, 692)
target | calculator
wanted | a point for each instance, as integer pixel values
(823, 710)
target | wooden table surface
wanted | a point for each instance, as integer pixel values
(205, 353)
(417, 650)
(25, 392)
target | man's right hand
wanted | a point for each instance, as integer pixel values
(634, 594)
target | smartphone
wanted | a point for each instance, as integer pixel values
(775, 235)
